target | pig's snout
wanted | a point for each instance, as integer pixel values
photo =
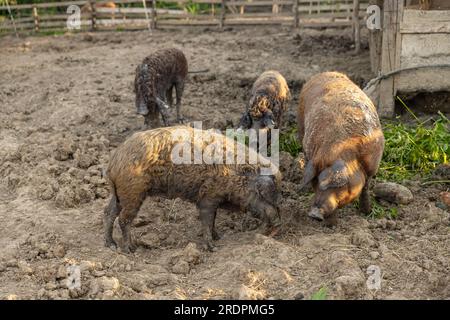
(316, 214)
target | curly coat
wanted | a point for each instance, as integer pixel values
(155, 79)
(342, 139)
(144, 165)
(269, 100)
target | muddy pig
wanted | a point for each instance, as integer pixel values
(269, 99)
(155, 79)
(149, 163)
(342, 140)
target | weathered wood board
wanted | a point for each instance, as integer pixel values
(425, 40)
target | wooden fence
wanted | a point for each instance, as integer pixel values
(139, 14)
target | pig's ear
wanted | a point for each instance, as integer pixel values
(308, 174)
(335, 176)
(246, 121)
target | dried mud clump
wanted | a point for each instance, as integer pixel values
(65, 148)
(75, 178)
(74, 195)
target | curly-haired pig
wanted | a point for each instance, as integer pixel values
(268, 101)
(342, 140)
(155, 79)
(147, 164)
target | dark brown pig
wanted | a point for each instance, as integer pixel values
(146, 164)
(155, 79)
(342, 140)
(269, 100)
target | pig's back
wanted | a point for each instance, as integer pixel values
(334, 113)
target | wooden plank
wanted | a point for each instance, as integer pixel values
(342, 5)
(375, 43)
(44, 5)
(424, 49)
(430, 80)
(258, 15)
(36, 19)
(388, 60)
(356, 26)
(431, 21)
(222, 14)
(10, 26)
(296, 14)
(363, 7)
(19, 20)
(398, 40)
(93, 14)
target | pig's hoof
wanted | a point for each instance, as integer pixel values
(128, 249)
(272, 232)
(365, 208)
(111, 244)
(316, 215)
(208, 246)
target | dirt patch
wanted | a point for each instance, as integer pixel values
(67, 102)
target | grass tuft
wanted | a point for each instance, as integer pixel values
(289, 142)
(322, 294)
(410, 150)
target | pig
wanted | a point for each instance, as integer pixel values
(155, 79)
(145, 165)
(342, 140)
(269, 100)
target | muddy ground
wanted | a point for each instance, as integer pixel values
(67, 102)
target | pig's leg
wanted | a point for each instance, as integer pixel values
(207, 209)
(152, 119)
(179, 87)
(215, 234)
(169, 96)
(126, 217)
(110, 214)
(165, 115)
(364, 199)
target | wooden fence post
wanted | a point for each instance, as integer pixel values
(36, 19)
(356, 26)
(375, 42)
(296, 14)
(144, 2)
(153, 17)
(222, 14)
(392, 14)
(93, 15)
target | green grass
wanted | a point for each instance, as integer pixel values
(322, 294)
(289, 142)
(378, 212)
(410, 149)
(414, 150)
